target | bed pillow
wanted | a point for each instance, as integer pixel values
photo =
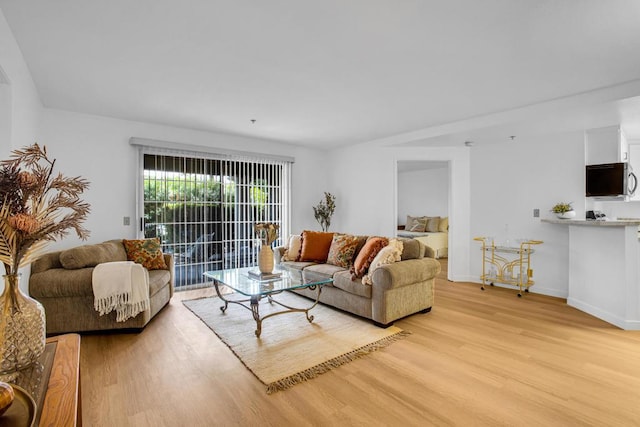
(342, 250)
(366, 255)
(418, 224)
(444, 224)
(387, 255)
(292, 252)
(433, 224)
(315, 246)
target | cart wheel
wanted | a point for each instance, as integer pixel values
(491, 283)
(482, 288)
(519, 295)
(526, 290)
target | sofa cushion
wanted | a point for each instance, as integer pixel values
(61, 282)
(146, 252)
(315, 246)
(297, 265)
(366, 255)
(342, 280)
(158, 279)
(92, 255)
(326, 269)
(342, 250)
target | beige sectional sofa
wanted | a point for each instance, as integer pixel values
(67, 293)
(397, 290)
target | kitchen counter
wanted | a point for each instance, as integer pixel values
(594, 223)
(604, 272)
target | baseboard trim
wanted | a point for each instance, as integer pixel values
(629, 325)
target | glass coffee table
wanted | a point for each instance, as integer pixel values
(242, 282)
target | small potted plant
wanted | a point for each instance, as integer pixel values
(324, 211)
(564, 210)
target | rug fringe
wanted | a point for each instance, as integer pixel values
(324, 367)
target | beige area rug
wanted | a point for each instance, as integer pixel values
(291, 350)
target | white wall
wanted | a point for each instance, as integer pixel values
(494, 189)
(423, 193)
(20, 104)
(364, 180)
(97, 148)
(509, 180)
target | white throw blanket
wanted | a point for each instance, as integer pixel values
(122, 286)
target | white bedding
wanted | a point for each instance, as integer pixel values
(438, 241)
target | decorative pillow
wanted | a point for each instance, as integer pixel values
(366, 256)
(411, 249)
(146, 252)
(387, 255)
(315, 246)
(416, 223)
(343, 248)
(292, 252)
(433, 224)
(444, 224)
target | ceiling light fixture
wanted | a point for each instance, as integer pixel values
(469, 143)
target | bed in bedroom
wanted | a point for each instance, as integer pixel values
(432, 231)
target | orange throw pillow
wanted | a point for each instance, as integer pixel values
(315, 246)
(366, 255)
(146, 252)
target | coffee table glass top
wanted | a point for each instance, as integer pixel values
(240, 281)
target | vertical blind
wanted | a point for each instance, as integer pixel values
(204, 208)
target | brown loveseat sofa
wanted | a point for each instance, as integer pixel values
(397, 290)
(62, 282)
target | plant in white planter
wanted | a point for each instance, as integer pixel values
(563, 210)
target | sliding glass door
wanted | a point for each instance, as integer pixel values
(203, 210)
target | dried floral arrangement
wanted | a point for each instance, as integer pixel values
(267, 232)
(324, 210)
(37, 206)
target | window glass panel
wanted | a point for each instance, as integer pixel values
(203, 210)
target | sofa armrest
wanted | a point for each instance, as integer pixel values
(429, 252)
(404, 273)
(168, 259)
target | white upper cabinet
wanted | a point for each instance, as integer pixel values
(606, 145)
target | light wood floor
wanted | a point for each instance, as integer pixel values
(479, 358)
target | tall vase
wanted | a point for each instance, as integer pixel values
(22, 329)
(265, 259)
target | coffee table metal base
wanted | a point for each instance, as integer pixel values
(254, 304)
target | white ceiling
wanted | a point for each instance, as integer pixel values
(339, 72)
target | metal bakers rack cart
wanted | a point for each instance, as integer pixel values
(507, 264)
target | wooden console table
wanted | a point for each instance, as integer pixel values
(54, 383)
(61, 407)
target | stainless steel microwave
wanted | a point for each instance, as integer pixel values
(610, 180)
